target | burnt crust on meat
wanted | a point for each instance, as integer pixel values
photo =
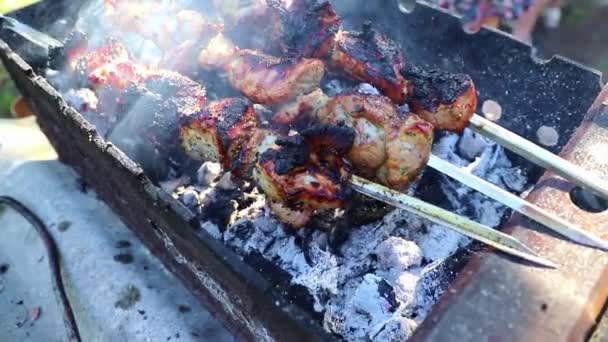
(337, 138)
(374, 48)
(308, 27)
(292, 154)
(189, 96)
(228, 112)
(431, 88)
(232, 126)
(370, 56)
(257, 60)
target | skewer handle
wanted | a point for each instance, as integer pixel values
(539, 155)
(518, 204)
(477, 231)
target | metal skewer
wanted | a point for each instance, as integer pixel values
(518, 204)
(477, 231)
(539, 155)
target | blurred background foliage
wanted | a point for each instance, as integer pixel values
(7, 90)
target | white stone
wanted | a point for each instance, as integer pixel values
(208, 172)
(396, 330)
(396, 253)
(405, 288)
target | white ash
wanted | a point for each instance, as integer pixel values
(398, 252)
(264, 113)
(438, 242)
(321, 278)
(338, 86)
(405, 288)
(334, 87)
(471, 144)
(490, 163)
(384, 279)
(371, 306)
(208, 172)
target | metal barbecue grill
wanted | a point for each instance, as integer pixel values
(491, 296)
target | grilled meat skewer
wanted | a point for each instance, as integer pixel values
(388, 147)
(311, 28)
(301, 174)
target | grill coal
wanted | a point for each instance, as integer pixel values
(377, 280)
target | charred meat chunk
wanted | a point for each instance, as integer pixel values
(226, 131)
(256, 27)
(308, 28)
(324, 138)
(369, 56)
(189, 96)
(301, 180)
(445, 99)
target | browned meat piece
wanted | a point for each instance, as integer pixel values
(189, 96)
(226, 131)
(298, 113)
(446, 100)
(270, 80)
(296, 218)
(368, 115)
(386, 146)
(301, 180)
(371, 57)
(408, 147)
